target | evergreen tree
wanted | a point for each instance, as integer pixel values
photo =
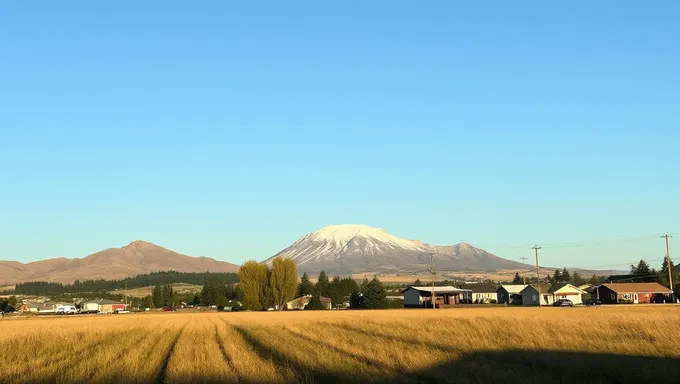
(306, 287)
(662, 277)
(168, 295)
(576, 279)
(557, 277)
(417, 283)
(375, 296)
(336, 292)
(566, 277)
(315, 303)
(518, 279)
(641, 269)
(157, 297)
(357, 301)
(322, 283)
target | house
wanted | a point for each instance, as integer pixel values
(301, 303)
(635, 293)
(547, 295)
(507, 294)
(101, 306)
(483, 293)
(418, 297)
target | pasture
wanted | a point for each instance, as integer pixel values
(461, 345)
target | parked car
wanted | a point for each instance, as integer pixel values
(593, 302)
(168, 309)
(121, 311)
(563, 303)
(66, 310)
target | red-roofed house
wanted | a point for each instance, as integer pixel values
(636, 293)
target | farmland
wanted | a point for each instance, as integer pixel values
(477, 345)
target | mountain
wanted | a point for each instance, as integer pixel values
(359, 248)
(115, 263)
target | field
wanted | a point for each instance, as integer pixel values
(476, 345)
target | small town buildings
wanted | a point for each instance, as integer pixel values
(549, 295)
(510, 294)
(418, 297)
(101, 306)
(634, 293)
(300, 303)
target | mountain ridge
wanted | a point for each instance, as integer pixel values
(351, 248)
(135, 258)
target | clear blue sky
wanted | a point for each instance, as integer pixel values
(229, 130)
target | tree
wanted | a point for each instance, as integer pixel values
(305, 287)
(662, 277)
(283, 280)
(374, 295)
(576, 279)
(518, 279)
(315, 303)
(168, 295)
(417, 283)
(557, 277)
(336, 292)
(253, 277)
(357, 301)
(596, 280)
(157, 297)
(641, 269)
(12, 301)
(566, 278)
(322, 283)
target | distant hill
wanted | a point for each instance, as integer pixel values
(359, 248)
(138, 257)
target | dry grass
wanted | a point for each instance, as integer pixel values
(480, 345)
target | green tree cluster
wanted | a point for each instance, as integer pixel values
(263, 288)
(162, 296)
(371, 295)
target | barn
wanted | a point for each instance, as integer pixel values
(633, 293)
(419, 297)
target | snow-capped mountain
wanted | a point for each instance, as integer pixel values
(359, 248)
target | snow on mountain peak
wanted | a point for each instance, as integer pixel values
(341, 235)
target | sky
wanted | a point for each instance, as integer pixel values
(229, 130)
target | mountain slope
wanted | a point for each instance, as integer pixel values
(115, 263)
(359, 248)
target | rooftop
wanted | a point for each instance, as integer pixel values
(438, 290)
(637, 287)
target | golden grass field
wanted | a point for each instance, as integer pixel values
(460, 345)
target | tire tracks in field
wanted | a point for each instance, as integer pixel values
(162, 374)
(405, 340)
(303, 371)
(416, 377)
(225, 355)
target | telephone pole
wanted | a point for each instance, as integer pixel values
(433, 298)
(670, 266)
(538, 276)
(524, 269)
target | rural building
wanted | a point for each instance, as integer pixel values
(101, 306)
(483, 293)
(635, 293)
(549, 295)
(301, 303)
(418, 297)
(506, 294)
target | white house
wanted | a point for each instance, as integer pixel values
(557, 291)
(417, 297)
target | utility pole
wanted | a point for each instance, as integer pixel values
(433, 299)
(538, 276)
(524, 269)
(670, 266)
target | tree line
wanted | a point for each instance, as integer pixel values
(562, 276)
(139, 281)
